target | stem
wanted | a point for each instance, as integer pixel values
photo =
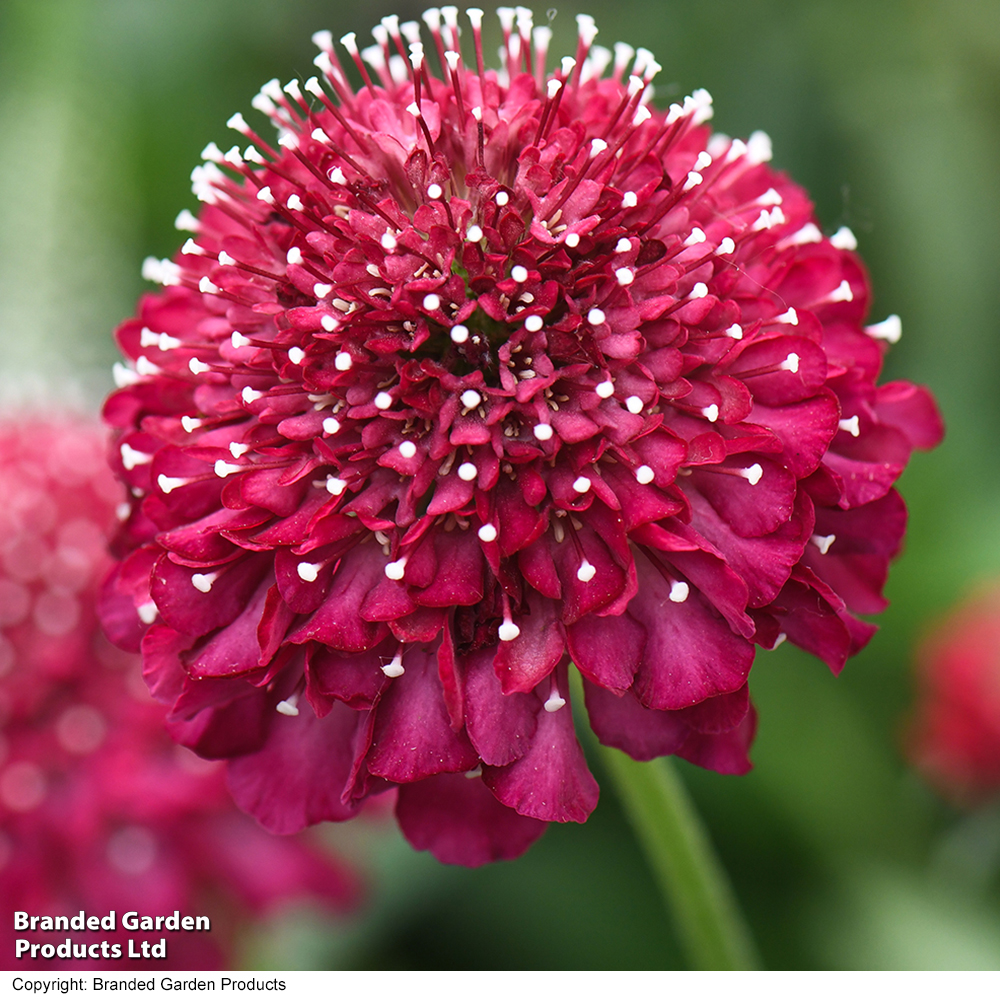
(693, 883)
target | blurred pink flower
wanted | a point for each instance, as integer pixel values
(99, 809)
(464, 378)
(954, 738)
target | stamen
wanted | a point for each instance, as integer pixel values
(519, 273)
(791, 318)
(823, 542)
(543, 432)
(753, 474)
(487, 533)
(735, 331)
(582, 484)
(288, 706)
(555, 701)
(407, 449)
(851, 425)
(596, 316)
(634, 404)
(467, 472)
(395, 667)
(679, 592)
(586, 571)
(890, 329)
(508, 631)
(224, 468)
(395, 570)
(533, 324)
(844, 239)
(459, 334)
(383, 400)
(308, 571)
(644, 475)
(335, 486)
(605, 389)
(131, 457)
(147, 612)
(471, 399)
(710, 413)
(342, 361)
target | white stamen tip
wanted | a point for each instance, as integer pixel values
(395, 667)
(735, 331)
(758, 148)
(844, 239)
(207, 286)
(342, 361)
(753, 474)
(168, 484)
(634, 404)
(471, 399)
(432, 302)
(296, 355)
(533, 324)
(823, 542)
(596, 316)
(294, 256)
(459, 334)
(727, 246)
(434, 191)
(238, 449)
(335, 486)
(238, 340)
(644, 475)
(699, 291)
(224, 468)
(264, 195)
(502, 198)
(851, 425)
(710, 413)
(395, 570)
(383, 400)
(147, 612)
(624, 275)
(321, 290)
(519, 273)
(407, 449)
(467, 472)
(190, 423)
(543, 432)
(890, 329)
(697, 236)
(474, 234)
(131, 457)
(624, 245)
(679, 591)
(605, 389)
(203, 581)
(693, 180)
(487, 533)
(508, 631)
(630, 199)
(250, 395)
(586, 572)
(555, 701)
(308, 571)
(287, 707)
(572, 240)
(791, 317)
(790, 364)
(186, 222)
(842, 293)
(581, 484)
(777, 642)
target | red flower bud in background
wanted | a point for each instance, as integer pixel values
(471, 373)
(954, 739)
(99, 809)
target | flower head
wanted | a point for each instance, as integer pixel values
(955, 736)
(99, 809)
(471, 373)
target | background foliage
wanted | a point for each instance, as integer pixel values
(889, 114)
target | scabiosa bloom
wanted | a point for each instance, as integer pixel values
(954, 738)
(467, 375)
(99, 809)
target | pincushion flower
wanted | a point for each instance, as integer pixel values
(954, 737)
(99, 809)
(471, 374)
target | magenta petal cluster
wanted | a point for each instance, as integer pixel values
(470, 374)
(99, 809)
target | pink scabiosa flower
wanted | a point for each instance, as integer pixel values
(99, 809)
(954, 738)
(472, 373)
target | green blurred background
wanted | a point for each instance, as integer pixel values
(889, 114)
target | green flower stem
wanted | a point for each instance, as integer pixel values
(694, 885)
